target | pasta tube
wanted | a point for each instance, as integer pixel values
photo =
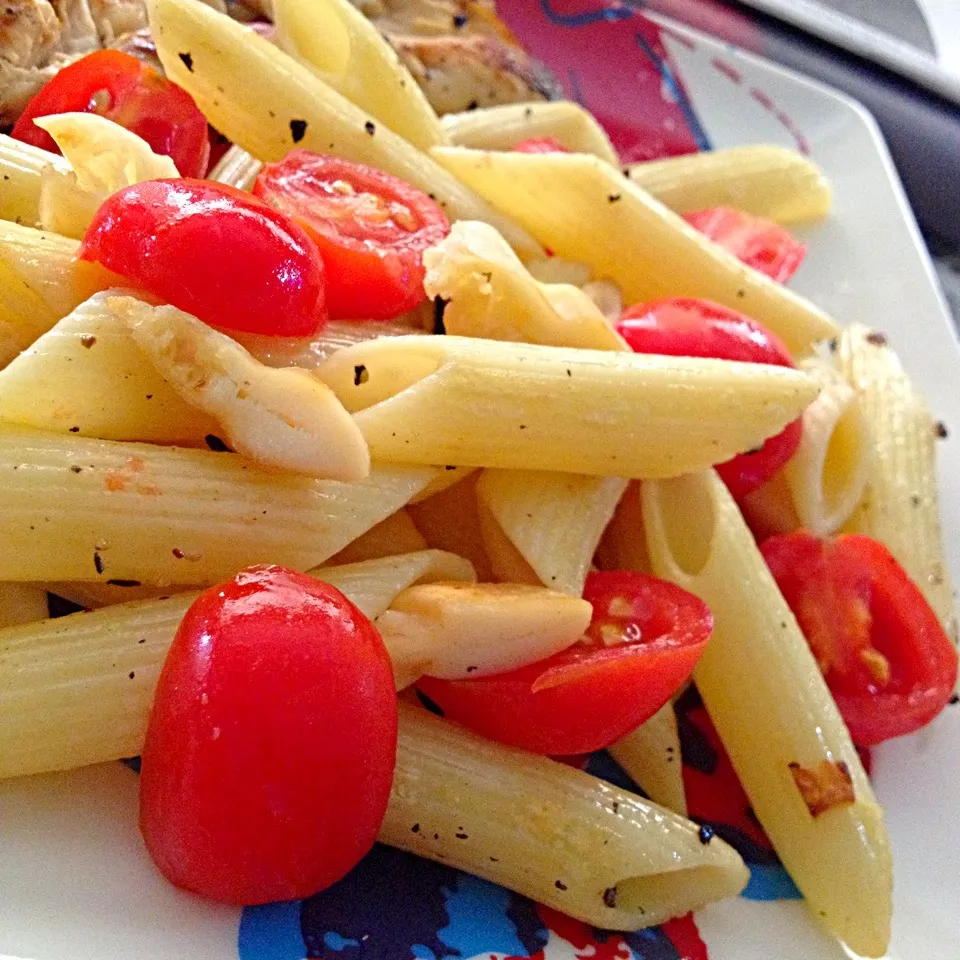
(462, 401)
(560, 836)
(629, 237)
(236, 168)
(21, 169)
(765, 181)
(503, 127)
(268, 103)
(78, 509)
(774, 713)
(22, 603)
(901, 505)
(555, 520)
(396, 534)
(623, 545)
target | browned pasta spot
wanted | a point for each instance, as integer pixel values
(825, 786)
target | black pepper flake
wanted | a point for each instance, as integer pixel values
(616, 806)
(132, 674)
(941, 430)
(415, 828)
(462, 836)
(75, 469)
(370, 127)
(613, 198)
(705, 833)
(436, 836)
(298, 130)
(494, 859)
(560, 885)
(915, 499)
(954, 700)
(523, 426)
(877, 338)
(754, 450)
(216, 444)
(439, 306)
(473, 104)
(178, 553)
(87, 340)
(124, 583)
(569, 373)
(149, 396)
(610, 897)
(460, 20)
(450, 467)
(360, 375)
(832, 344)
(472, 669)
(187, 59)
(97, 562)
(741, 293)
(74, 429)
(142, 640)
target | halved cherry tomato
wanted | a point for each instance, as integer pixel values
(761, 244)
(884, 653)
(213, 251)
(371, 230)
(688, 327)
(645, 638)
(119, 87)
(271, 744)
(540, 145)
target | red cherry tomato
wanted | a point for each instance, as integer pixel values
(213, 251)
(884, 653)
(119, 87)
(688, 327)
(371, 230)
(761, 244)
(271, 744)
(645, 638)
(540, 145)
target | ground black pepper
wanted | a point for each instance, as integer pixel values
(298, 129)
(187, 59)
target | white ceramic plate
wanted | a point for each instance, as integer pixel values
(76, 884)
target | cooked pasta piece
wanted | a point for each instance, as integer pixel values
(470, 402)
(539, 827)
(586, 210)
(503, 127)
(555, 520)
(460, 630)
(77, 690)
(651, 756)
(236, 168)
(349, 53)
(623, 545)
(73, 508)
(21, 169)
(396, 534)
(770, 509)
(607, 298)
(22, 603)
(765, 181)
(489, 293)
(558, 270)
(772, 709)
(901, 505)
(507, 564)
(268, 103)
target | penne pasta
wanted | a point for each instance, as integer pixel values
(396, 534)
(72, 508)
(281, 104)
(351, 55)
(503, 127)
(21, 170)
(555, 520)
(562, 837)
(770, 509)
(651, 757)
(772, 709)
(236, 168)
(22, 603)
(469, 402)
(901, 505)
(629, 237)
(623, 545)
(764, 181)
(507, 564)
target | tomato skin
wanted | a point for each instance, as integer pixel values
(882, 649)
(119, 87)
(371, 230)
(540, 145)
(213, 251)
(761, 244)
(590, 695)
(271, 744)
(689, 327)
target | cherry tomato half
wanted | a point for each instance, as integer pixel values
(371, 230)
(645, 638)
(271, 744)
(761, 244)
(119, 87)
(688, 327)
(213, 251)
(540, 145)
(882, 649)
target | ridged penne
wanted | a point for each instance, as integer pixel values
(236, 168)
(773, 711)
(22, 603)
(73, 508)
(901, 504)
(507, 564)
(562, 837)
(396, 534)
(21, 169)
(765, 181)
(555, 520)
(629, 236)
(470, 402)
(351, 55)
(503, 127)
(651, 757)
(268, 103)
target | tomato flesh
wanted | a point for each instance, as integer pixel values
(213, 251)
(882, 649)
(119, 87)
(371, 230)
(761, 244)
(271, 744)
(645, 638)
(689, 327)
(540, 145)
